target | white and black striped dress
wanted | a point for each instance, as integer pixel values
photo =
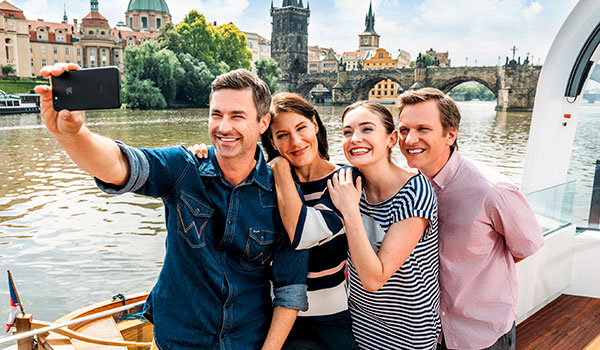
(404, 313)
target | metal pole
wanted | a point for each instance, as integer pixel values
(68, 323)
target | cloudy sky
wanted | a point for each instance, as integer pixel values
(472, 31)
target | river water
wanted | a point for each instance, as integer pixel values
(69, 245)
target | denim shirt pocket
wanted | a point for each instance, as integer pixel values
(193, 217)
(260, 246)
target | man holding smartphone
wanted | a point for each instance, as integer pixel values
(225, 240)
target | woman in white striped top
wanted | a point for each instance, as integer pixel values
(391, 227)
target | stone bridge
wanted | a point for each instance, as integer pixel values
(513, 85)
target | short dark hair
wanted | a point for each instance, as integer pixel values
(384, 114)
(289, 102)
(242, 79)
(449, 112)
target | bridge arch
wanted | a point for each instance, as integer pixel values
(306, 86)
(450, 84)
(361, 90)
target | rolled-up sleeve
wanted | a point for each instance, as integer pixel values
(139, 170)
(289, 269)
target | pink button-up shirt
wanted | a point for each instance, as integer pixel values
(484, 221)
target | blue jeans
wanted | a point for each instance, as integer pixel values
(505, 342)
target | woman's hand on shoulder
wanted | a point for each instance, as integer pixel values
(345, 195)
(199, 150)
(280, 165)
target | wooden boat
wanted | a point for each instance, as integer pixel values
(110, 325)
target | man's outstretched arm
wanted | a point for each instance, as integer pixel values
(96, 154)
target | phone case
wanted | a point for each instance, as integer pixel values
(87, 88)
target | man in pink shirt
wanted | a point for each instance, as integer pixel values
(485, 226)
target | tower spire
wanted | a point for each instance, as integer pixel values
(94, 5)
(65, 19)
(370, 20)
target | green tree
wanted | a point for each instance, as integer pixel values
(7, 70)
(269, 72)
(232, 47)
(197, 37)
(161, 66)
(169, 38)
(143, 94)
(194, 87)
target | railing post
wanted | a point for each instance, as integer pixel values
(23, 324)
(594, 218)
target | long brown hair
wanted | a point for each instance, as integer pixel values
(290, 102)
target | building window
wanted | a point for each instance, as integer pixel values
(43, 49)
(158, 24)
(91, 32)
(55, 61)
(102, 33)
(366, 42)
(43, 61)
(78, 51)
(55, 50)
(66, 50)
(381, 55)
(32, 62)
(144, 22)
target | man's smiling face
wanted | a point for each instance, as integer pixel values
(423, 140)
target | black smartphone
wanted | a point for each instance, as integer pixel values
(87, 88)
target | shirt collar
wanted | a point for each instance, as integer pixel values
(447, 173)
(261, 175)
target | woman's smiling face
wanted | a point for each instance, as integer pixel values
(295, 137)
(365, 138)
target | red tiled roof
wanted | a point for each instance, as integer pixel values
(94, 15)
(9, 10)
(360, 54)
(51, 26)
(5, 5)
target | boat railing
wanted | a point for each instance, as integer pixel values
(47, 327)
(553, 206)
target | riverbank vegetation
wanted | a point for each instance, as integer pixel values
(20, 86)
(181, 63)
(472, 91)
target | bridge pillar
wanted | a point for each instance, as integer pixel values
(341, 93)
(517, 86)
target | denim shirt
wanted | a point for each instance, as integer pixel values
(224, 246)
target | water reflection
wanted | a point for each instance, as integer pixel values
(68, 244)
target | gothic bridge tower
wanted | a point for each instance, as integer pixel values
(289, 40)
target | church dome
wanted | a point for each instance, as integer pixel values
(148, 5)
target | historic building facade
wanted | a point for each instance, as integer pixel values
(91, 42)
(385, 90)
(259, 46)
(14, 35)
(289, 39)
(147, 15)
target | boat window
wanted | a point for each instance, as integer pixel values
(583, 64)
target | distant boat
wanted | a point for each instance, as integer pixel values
(19, 103)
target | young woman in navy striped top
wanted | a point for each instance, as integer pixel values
(297, 151)
(391, 227)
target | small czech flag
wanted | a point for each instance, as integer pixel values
(14, 306)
